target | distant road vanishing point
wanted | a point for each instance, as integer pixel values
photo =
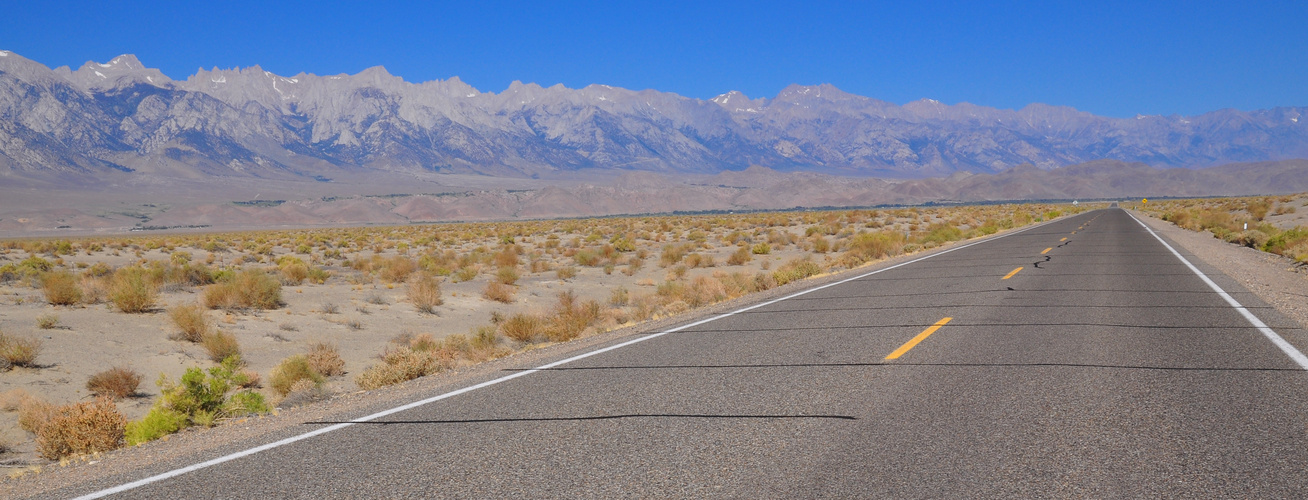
(1083, 357)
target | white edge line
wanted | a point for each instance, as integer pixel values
(251, 451)
(1267, 331)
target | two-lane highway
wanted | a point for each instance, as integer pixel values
(1076, 358)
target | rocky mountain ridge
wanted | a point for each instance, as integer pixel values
(122, 119)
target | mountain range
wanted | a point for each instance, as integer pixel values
(121, 121)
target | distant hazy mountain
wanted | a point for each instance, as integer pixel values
(123, 119)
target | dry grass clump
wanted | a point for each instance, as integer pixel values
(422, 355)
(290, 372)
(566, 272)
(87, 427)
(132, 290)
(61, 288)
(18, 351)
(741, 256)
(191, 321)
(425, 293)
(325, 359)
(47, 321)
(866, 247)
(117, 382)
(795, 270)
(33, 412)
(13, 399)
(400, 364)
(507, 275)
(245, 289)
(567, 320)
(523, 327)
(292, 269)
(571, 317)
(499, 292)
(220, 345)
(397, 269)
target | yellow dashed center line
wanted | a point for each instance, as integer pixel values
(1064, 239)
(918, 339)
(1046, 250)
(1010, 275)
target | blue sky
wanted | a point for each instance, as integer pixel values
(1106, 57)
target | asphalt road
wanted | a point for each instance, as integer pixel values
(1104, 367)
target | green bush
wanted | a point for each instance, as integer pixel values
(199, 399)
(156, 424)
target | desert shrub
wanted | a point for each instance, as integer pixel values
(571, 317)
(866, 247)
(1258, 208)
(498, 292)
(318, 275)
(87, 427)
(507, 275)
(293, 270)
(740, 256)
(425, 293)
(795, 270)
(191, 321)
(18, 351)
(117, 382)
(587, 257)
(942, 233)
(1292, 243)
(325, 359)
(672, 254)
(566, 272)
(619, 297)
(61, 288)
(466, 273)
(508, 257)
(199, 399)
(246, 289)
(397, 269)
(47, 321)
(821, 245)
(523, 327)
(485, 338)
(704, 290)
(699, 260)
(291, 371)
(220, 345)
(400, 364)
(34, 412)
(761, 249)
(132, 291)
(156, 424)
